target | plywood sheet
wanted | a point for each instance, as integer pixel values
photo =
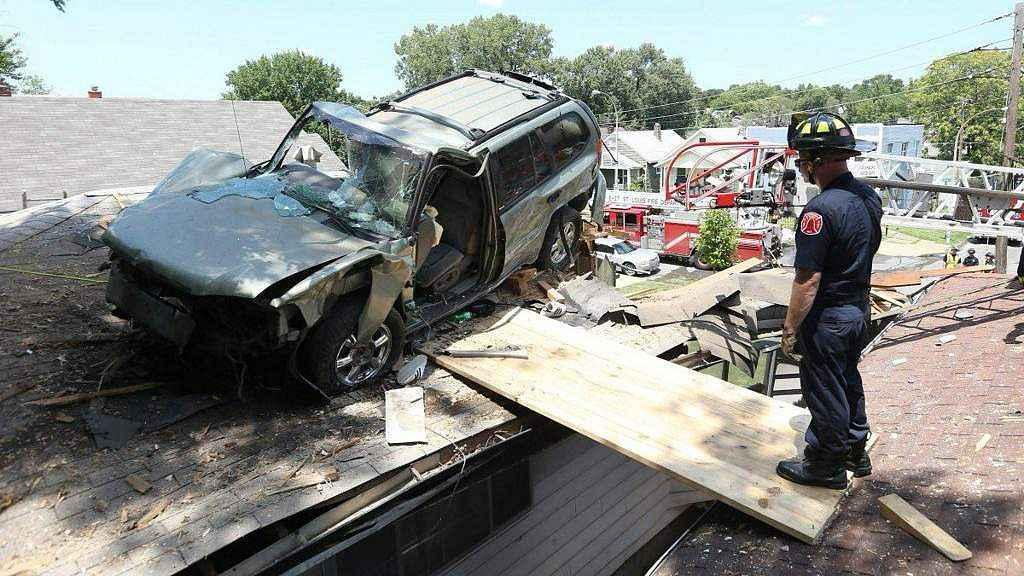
(693, 299)
(912, 277)
(703, 431)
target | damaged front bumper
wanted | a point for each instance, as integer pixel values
(156, 314)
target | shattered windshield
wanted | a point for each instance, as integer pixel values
(374, 188)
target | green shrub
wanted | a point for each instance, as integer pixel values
(719, 238)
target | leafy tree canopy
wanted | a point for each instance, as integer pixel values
(11, 60)
(642, 83)
(752, 103)
(954, 89)
(878, 99)
(292, 78)
(500, 42)
(33, 84)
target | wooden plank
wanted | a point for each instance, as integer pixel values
(693, 299)
(901, 513)
(772, 286)
(912, 277)
(708, 433)
(405, 419)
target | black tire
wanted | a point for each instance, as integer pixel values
(696, 262)
(323, 350)
(629, 268)
(579, 203)
(552, 254)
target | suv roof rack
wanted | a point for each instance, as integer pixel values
(467, 131)
(530, 80)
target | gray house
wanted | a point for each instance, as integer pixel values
(55, 147)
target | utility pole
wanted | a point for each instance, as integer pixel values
(1010, 130)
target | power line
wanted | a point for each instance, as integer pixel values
(814, 88)
(866, 58)
(861, 100)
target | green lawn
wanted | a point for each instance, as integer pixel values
(939, 236)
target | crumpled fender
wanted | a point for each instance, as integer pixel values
(390, 270)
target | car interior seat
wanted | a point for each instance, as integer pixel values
(459, 212)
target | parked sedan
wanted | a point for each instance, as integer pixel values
(626, 257)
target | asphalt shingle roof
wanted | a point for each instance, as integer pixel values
(50, 145)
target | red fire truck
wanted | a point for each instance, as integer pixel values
(756, 192)
(677, 237)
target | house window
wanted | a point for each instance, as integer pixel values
(566, 136)
(622, 179)
(889, 148)
(903, 148)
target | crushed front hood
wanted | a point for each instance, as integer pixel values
(235, 246)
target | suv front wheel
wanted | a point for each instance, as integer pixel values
(337, 363)
(553, 255)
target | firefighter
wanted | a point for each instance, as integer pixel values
(836, 238)
(952, 258)
(971, 259)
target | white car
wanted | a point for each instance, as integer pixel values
(626, 257)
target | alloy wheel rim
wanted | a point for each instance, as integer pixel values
(558, 252)
(355, 364)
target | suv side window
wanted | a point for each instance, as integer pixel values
(602, 249)
(566, 136)
(521, 164)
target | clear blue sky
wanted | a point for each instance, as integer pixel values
(182, 49)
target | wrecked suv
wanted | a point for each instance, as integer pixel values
(422, 206)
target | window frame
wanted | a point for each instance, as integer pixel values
(551, 152)
(504, 201)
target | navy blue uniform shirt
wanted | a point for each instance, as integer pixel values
(838, 234)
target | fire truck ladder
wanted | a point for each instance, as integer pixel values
(761, 155)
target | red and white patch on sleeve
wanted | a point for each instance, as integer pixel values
(810, 223)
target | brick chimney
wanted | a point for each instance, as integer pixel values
(5, 90)
(95, 92)
(657, 130)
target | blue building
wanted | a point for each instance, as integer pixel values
(895, 139)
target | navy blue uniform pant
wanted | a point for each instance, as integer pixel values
(831, 340)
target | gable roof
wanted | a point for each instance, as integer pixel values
(637, 148)
(52, 145)
(710, 155)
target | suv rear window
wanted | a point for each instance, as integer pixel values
(521, 166)
(566, 136)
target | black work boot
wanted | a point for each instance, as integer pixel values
(858, 461)
(813, 470)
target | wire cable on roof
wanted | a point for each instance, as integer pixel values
(857, 61)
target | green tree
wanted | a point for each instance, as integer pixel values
(11, 60)
(881, 100)
(955, 88)
(32, 84)
(293, 78)
(719, 238)
(500, 42)
(642, 83)
(813, 98)
(752, 103)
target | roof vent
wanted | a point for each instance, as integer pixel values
(95, 92)
(657, 130)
